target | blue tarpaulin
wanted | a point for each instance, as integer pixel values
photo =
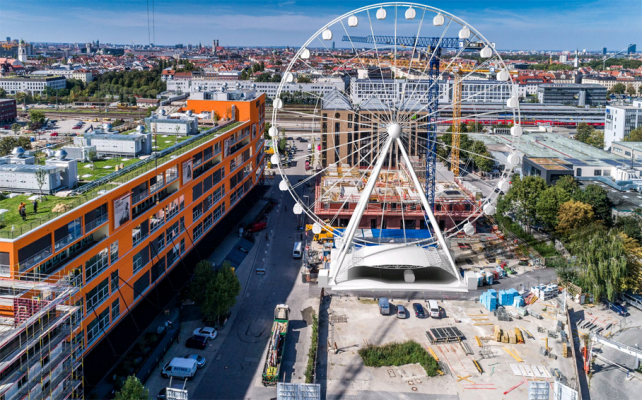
(388, 235)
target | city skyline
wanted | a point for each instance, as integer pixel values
(539, 25)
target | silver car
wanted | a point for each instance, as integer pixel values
(200, 360)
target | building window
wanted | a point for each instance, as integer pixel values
(597, 172)
(113, 252)
(182, 246)
(96, 264)
(579, 172)
(115, 309)
(97, 295)
(115, 284)
(140, 259)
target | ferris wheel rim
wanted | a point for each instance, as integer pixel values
(306, 47)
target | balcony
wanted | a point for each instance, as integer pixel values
(67, 240)
(35, 259)
(90, 226)
(171, 176)
(140, 196)
(157, 186)
(97, 299)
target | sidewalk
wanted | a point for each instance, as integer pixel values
(191, 317)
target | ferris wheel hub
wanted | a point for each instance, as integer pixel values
(394, 130)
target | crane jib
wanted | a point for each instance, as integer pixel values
(431, 42)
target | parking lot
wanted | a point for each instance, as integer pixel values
(356, 323)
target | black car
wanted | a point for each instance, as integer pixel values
(419, 310)
(196, 342)
(303, 140)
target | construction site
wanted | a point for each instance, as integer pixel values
(394, 201)
(41, 343)
(481, 354)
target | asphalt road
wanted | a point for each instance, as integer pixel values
(236, 370)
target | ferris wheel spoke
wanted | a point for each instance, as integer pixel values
(378, 59)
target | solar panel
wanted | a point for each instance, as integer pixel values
(611, 162)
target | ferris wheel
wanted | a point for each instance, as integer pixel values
(397, 118)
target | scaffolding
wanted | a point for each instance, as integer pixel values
(41, 343)
(454, 155)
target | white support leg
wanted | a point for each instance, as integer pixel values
(359, 210)
(431, 216)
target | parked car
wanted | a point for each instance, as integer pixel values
(54, 134)
(401, 312)
(76, 127)
(419, 310)
(384, 306)
(200, 360)
(196, 342)
(257, 226)
(433, 308)
(207, 331)
(304, 140)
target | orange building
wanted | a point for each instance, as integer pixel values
(127, 231)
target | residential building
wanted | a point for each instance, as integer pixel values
(120, 235)
(572, 94)
(319, 88)
(607, 81)
(33, 84)
(620, 120)
(8, 111)
(79, 74)
(392, 90)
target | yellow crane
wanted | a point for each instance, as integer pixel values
(456, 129)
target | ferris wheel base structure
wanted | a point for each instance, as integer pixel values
(415, 268)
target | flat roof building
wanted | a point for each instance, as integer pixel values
(572, 94)
(20, 173)
(33, 84)
(182, 126)
(8, 111)
(115, 144)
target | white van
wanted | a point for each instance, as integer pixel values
(433, 308)
(297, 251)
(180, 368)
(309, 147)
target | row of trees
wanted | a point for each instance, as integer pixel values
(620, 88)
(606, 253)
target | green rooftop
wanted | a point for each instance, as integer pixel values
(13, 226)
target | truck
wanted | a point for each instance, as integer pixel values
(272, 367)
(325, 235)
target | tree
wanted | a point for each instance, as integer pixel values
(572, 215)
(132, 389)
(266, 130)
(41, 175)
(618, 88)
(549, 202)
(16, 128)
(587, 134)
(630, 225)
(568, 184)
(303, 79)
(634, 262)
(598, 198)
(220, 293)
(635, 135)
(522, 198)
(630, 90)
(264, 77)
(3, 93)
(601, 262)
(8, 143)
(203, 275)
(37, 118)
(276, 78)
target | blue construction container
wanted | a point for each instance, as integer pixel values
(518, 301)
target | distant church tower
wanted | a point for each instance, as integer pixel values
(22, 51)
(576, 62)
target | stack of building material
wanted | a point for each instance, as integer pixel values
(512, 339)
(518, 301)
(519, 336)
(507, 297)
(545, 292)
(522, 311)
(497, 334)
(489, 299)
(565, 350)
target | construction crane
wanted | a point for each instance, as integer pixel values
(456, 130)
(433, 45)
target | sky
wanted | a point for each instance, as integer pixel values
(515, 24)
